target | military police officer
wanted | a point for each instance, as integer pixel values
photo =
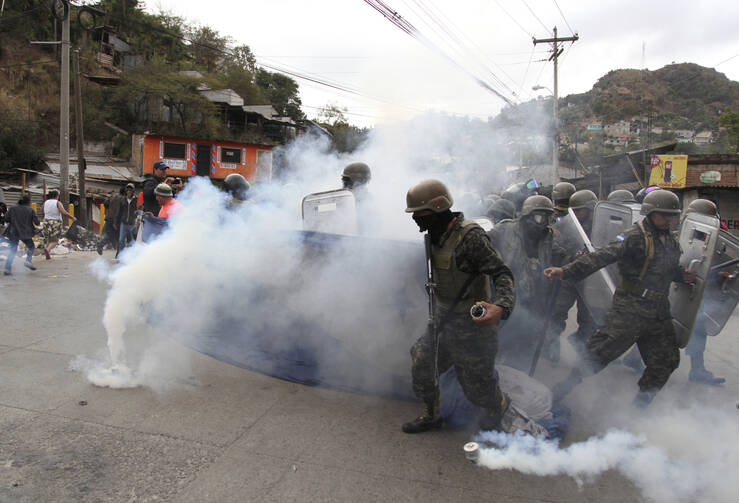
(561, 194)
(237, 187)
(463, 261)
(582, 203)
(526, 245)
(648, 259)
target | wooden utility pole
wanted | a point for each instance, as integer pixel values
(556, 52)
(64, 118)
(81, 162)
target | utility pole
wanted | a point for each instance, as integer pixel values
(81, 162)
(64, 117)
(556, 52)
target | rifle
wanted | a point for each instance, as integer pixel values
(431, 291)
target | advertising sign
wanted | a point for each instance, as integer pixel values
(669, 171)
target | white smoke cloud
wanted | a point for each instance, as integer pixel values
(670, 454)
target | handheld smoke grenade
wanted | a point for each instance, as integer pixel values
(478, 311)
(472, 451)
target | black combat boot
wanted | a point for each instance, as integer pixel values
(493, 417)
(429, 420)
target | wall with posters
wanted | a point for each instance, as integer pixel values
(669, 171)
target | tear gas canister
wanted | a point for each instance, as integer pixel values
(478, 311)
(472, 451)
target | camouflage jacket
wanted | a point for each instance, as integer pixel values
(475, 255)
(630, 251)
(531, 286)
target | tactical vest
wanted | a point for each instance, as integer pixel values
(450, 280)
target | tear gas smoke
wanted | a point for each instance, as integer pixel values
(242, 273)
(674, 455)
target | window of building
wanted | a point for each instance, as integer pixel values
(174, 150)
(231, 155)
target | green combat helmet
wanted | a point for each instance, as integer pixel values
(702, 206)
(356, 174)
(621, 196)
(583, 199)
(643, 193)
(237, 186)
(662, 201)
(501, 209)
(562, 192)
(534, 203)
(428, 195)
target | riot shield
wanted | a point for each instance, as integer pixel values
(484, 222)
(722, 293)
(597, 289)
(609, 220)
(333, 211)
(698, 240)
(636, 215)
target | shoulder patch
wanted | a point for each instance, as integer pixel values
(620, 237)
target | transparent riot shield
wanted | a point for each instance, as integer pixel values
(609, 220)
(722, 288)
(484, 222)
(597, 289)
(636, 215)
(698, 240)
(333, 211)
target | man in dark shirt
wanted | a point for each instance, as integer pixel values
(21, 219)
(150, 199)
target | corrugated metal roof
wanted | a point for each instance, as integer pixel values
(119, 173)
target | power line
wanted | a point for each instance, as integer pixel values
(537, 17)
(529, 34)
(564, 18)
(404, 25)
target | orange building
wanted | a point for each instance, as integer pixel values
(214, 159)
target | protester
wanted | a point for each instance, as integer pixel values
(110, 228)
(169, 206)
(127, 219)
(149, 199)
(52, 226)
(21, 220)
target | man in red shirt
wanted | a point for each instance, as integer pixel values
(169, 206)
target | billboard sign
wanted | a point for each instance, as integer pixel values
(669, 171)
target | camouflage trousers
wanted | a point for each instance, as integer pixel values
(467, 346)
(586, 327)
(654, 336)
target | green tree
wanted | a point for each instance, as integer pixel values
(207, 47)
(19, 142)
(282, 93)
(730, 120)
(346, 137)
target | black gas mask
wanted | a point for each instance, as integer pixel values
(538, 222)
(435, 223)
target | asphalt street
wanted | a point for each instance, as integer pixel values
(221, 433)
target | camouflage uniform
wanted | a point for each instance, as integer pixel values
(471, 348)
(566, 297)
(527, 260)
(641, 309)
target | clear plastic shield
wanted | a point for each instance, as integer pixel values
(636, 215)
(698, 240)
(722, 288)
(597, 289)
(333, 211)
(484, 222)
(609, 220)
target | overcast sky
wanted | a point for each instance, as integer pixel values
(348, 42)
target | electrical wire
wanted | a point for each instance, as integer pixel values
(564, 18)
(535, 16)
(513, 19)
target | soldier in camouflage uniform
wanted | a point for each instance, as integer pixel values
(463, 262)
(582, 203)
(561, 194)
(648, 259)
(526, 245)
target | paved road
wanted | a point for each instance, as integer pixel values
(220, 433)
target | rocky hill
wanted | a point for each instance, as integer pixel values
(678, 96)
